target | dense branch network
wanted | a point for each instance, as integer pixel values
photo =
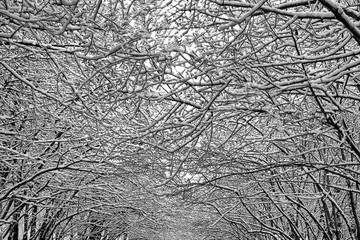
(247, 110)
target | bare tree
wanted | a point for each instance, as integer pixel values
(248, 108)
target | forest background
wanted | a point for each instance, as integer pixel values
(208, 119)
